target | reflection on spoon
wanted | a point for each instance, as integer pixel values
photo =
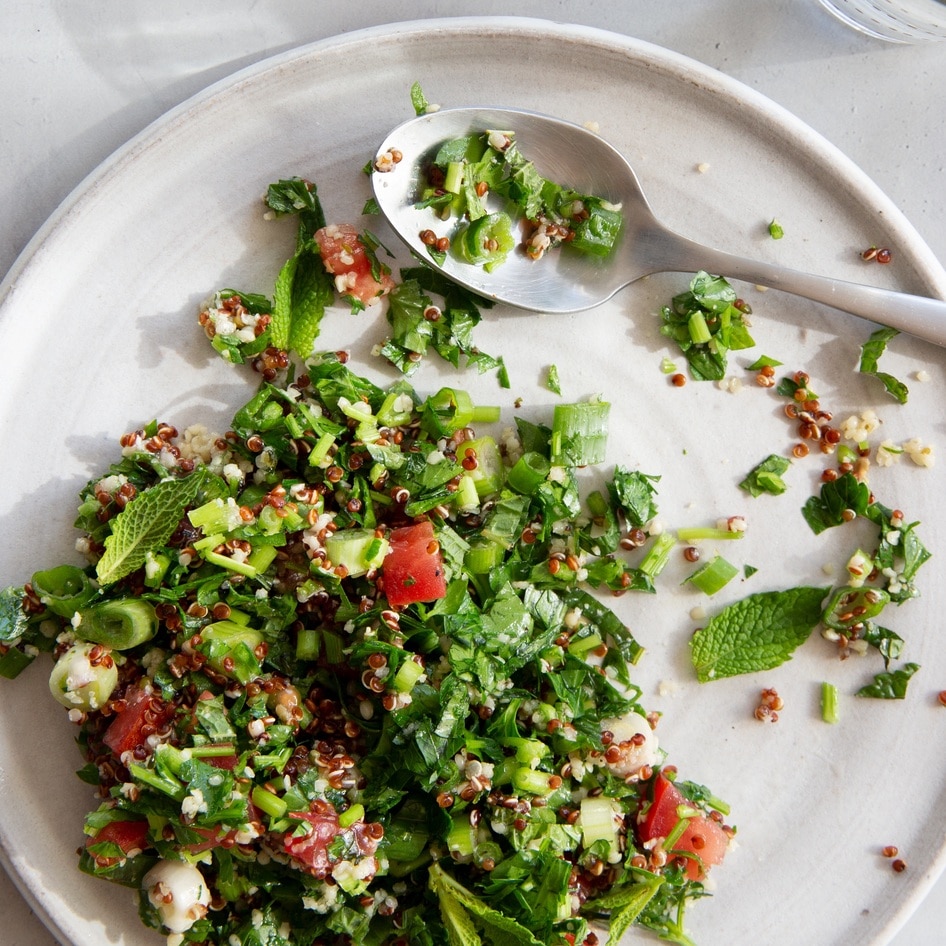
(569, 282)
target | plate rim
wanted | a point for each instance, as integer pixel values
(684, 67)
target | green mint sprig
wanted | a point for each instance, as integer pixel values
(144, 526)
(756, 633)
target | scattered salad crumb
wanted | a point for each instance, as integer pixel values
(770, 704)
(876, 254)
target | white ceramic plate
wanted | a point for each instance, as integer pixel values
(99, 328)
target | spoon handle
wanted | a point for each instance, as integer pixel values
(920, 316)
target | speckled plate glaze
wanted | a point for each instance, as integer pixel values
(98, 322)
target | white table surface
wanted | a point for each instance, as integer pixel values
(79, 79)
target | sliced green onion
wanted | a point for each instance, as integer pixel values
(528, 472)
(120, 624)
(308, 644)
(698, 329)
(350, 815)
(676, 833)
(579, 433)
(320, 451)
(269, 803)
(580, 646)
(713, 575)
(453, 179)
(829, 702)
(696, 533)
(407, 675)
(597, 821)
(64, 590)
(657, 556)
(531, 781)
(483, 556)
(460, 836)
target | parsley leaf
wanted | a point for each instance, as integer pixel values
(766, 477)
(634, 493)
(837, 500)
(891, 685)
(756, 633)
(871, 351)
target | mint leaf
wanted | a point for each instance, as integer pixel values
(766, 477)
(756, 633)
(144, 526)
(13, 620)
(890, 686)
(871, 351)
(626, 904)
(312, 291)
(455, 899)
(281, 325)
(418, 99)
(303, 289)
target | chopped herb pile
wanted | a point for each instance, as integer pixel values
(707, 322)
(340, 676)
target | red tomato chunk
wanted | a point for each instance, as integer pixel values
(143, 715)
(347, 259)
(413, 567)
(130, 836)
(703, 838)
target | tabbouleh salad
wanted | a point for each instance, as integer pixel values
(346, 674)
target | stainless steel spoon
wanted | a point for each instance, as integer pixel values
(570, 282)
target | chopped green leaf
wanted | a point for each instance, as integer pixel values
(552, 380)
(890, 685)
(871, 351)
(766, 477)
(634, 493)
(763, 361)
(839, 501)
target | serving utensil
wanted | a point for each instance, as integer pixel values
(563, 281)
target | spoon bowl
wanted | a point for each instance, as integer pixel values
(564, 281)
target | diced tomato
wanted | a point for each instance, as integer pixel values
(222, 761)
(413, 568)
(311, 848)
(702, 837)
(143, 715)
(213, 837)
(347, 259)
(128, 835)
